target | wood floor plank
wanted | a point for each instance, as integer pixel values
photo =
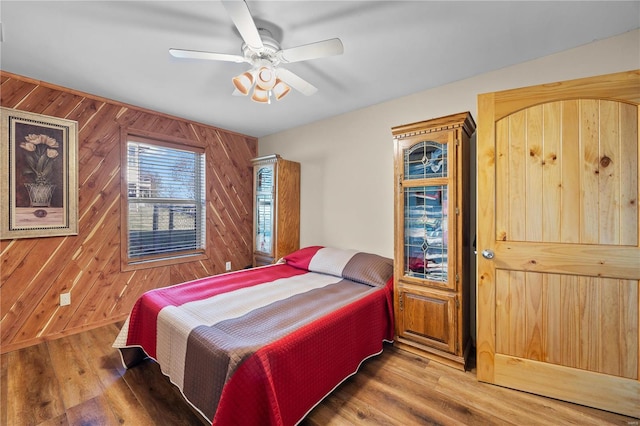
(107, 366)
(156, 394)
(61, 420)
(395, 388)
(325, 415)
(95, 411)
(488, 399)
(413, 402)
(78, 381)
(407, 365)
(126, 408)
(344, 407)
(521, 407)
(380, 407)
(33, 391)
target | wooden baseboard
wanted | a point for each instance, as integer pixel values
(451, 360)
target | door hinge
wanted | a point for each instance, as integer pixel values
(457, 278)
(457, 210)
(457, 304)
(400, 301)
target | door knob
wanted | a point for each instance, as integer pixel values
(488, 254)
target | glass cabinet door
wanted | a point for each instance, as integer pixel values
(264, 209)
(425, 160)
(426, 210)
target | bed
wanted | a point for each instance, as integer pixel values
(265, 345)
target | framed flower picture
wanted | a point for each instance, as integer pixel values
(39, 187)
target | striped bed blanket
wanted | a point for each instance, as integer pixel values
(265, 345)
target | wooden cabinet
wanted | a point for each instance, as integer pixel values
(432, 237)
(276, 205)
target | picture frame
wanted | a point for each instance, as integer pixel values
(39, 186)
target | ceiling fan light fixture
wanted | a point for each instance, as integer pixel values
(259, 95)
(266, 78)
(243, 82)
(280, 90)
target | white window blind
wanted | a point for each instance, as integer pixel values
(166, 200)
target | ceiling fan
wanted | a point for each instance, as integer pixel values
(263, 52)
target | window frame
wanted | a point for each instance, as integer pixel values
(153, 261)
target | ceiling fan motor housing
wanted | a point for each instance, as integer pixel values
(269, 52)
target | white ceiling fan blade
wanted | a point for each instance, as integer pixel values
(242, 19)
(197, 54)
(296, 82)
(316, 50)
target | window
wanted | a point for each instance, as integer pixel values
(165, 202)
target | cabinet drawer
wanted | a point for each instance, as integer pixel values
(428, 317)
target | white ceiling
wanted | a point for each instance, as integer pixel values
(119, 50)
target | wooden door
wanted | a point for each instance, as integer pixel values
(558, 210)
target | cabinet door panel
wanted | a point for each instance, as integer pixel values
(426, 235)
(264, 208)
(428, 318)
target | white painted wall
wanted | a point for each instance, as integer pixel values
(347, 160)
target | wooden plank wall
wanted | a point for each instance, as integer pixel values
(33, 272)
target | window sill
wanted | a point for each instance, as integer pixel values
(134, 265)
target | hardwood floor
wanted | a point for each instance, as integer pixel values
(79, 380)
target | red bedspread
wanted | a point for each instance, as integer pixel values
(264, 346)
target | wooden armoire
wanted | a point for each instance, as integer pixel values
(276, 208)
(432, 237)
(559, 242)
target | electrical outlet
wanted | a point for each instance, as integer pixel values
(65, 299)
(227, 266)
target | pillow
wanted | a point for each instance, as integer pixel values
(300, 259)
(330, 261)
(365, 268)
(369, 269)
